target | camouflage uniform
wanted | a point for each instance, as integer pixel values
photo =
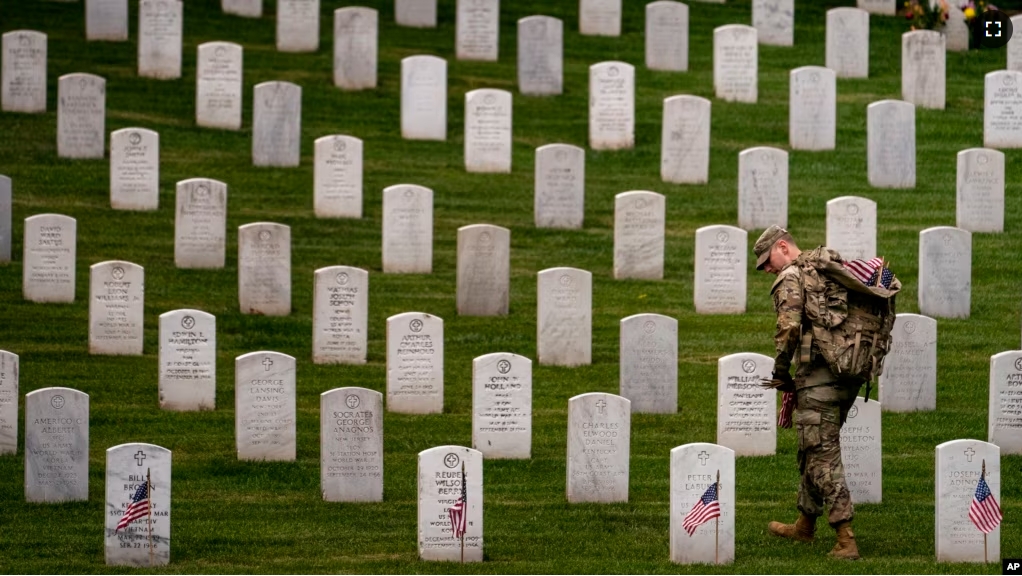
(822, 405)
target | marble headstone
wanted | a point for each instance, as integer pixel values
(762, 188)
(1002, 109)
(81, 116)
(8, 402)
(694, 467)
(297, 25)
(441, 472)
(351, 445)
(685, 140)
(909, 380)
(885, 7)
(959, 466)
(127, 467)
(735, 63)
(639, 223)
(852, 227)
(415, 363)
(956, 31)
(56, 445)
(923, 65)
(945, 272)
(356, 30)
(611, 106)
(488, 130)
(891, 144)
(159, 38)
(340, 315)
(24, 71)
(746, 412)
(415, 13)
(337, 177)
(502, 405)
(484, 270)
(264, 404)
(264, 269)
(812, 119)
(200, 223)
(187, 378)
(48, 273)
(276, 124)
(477, 29)
(774, 21)
(424, 98)
(1014, 48)
(218, 99)
(106, 20)
(1004, 420)
(116, 306)
(540, 56)
(848, 42)
(134, 169)
(861, 452)
(407, 229)
(648, 374)
(599, 446)
(599, 17)
(246, 8)
(560, 186)
(564, 317)
(667, 36)
(6, 210)
(979, 202)
(721, 270)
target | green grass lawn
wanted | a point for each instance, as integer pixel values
(240, 517)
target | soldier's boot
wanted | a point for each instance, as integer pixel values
(803, 530)
(845, 547)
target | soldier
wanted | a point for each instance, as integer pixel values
(821, 400)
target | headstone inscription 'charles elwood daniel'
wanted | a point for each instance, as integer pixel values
(116, 305)
(106, 20)
(945, 272)
(848, 42)
(24, 71)
(340, 315)
(48, 272)
(484, 270)
(488, 131)
(502, 405)
(218, 98)
(424, 98)
(861, 452)
(960, 465)
(540, 55)
(979, 203)
(477, 29)
(611, 106)
(81, 116)
(407, 229)
(599, 17)
(685, 140)
(599, 447)
(564, 317)
(159, 38)
(891, 144)
(415, 363)
(264, 269)
(415, 13)
(356, 30)
(187, 377)
(134, 169)
(56, 445)
(909, 381)
(667, 36)
(337, 177)
(648, 374)
(8, 402)
(200, 223)
(721, 270)
(639, 223)
(746, 412)
(852, 227)
(297, 25)
(351, 445)
(144, 541)
(735, 63)
(447, 474)
(264, 404)
(276, 124)
(694, 468)
(1005, 408)
(560, 186)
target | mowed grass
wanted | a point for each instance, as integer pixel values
(241, 517)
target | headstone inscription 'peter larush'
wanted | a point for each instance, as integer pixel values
(351, 445)
(264, 404)
(502, 405)
(415, 363)
(200, 223)
(446, 473)
(145, 540)
(599, 447)
(8, 402)
(48, 273)
(116, 305)
(694, 468)
(187, 377)
(340, 315)
(56, 445)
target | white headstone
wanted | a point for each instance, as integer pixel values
(735, 63)
(24, 71)
(1004, 420)
(956, 31)
(746, 412)
(337, 177)
(540, 55)
(502, 405)
(200, 223)
(891, 144)
(560, 186)
(264, 269)
(611, 106)
(56, 445)
(812, 119)
(885, 7)
(297, 25)
(106, 20)
(667, 36)
(762, 188)
(599, 17)
(116, 307)
(960, 464)
(246, 8)
(599, 446)
(852, 227)
(564, 317)
(909, 381)
(415, 13)
(134, 169)
(484, 270)
(277, 124)
(477, 29)
(639, 222)
(424, 98)
(721, 270)
(694, 467)
(945, 272)
(1015, 46)
(81, 116)
(351, 445)
(488, 130)
(415, 363)
(9, 402)
(685, 140)
(861, 452)
(979, 203)
(6, 210)
(218, 75)
(407, 229)
(264, 406)
(159, 38)
(923, 62)
(442, 470)
(187, 378)
(48, 273)
(1002, 109)
(340, 315)
(128, 466)
(848, 42)
(774, 20)
(648, 374)
(356, 30)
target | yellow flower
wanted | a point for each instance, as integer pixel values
(970, 13)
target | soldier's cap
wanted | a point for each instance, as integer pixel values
(766, 241)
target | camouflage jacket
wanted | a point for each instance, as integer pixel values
(787, 295)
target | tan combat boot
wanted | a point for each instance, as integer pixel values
(803, 530)
(845, 547)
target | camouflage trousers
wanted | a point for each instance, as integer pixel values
(819, 414)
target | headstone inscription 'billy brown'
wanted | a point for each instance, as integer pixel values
(1002, 109)
(667, 36)
(564, 317)
(599, 446)
(218, 99)
(276, 124)
(979, 203)
(746, 412)
(611, 106)
(762, 188)
(639, 224)
(415, 13)
(337, 177)
(200, 223)
(852, 227)
(297, 25)
(540, 55)
(560, 186)
(488, 131)
(960, 464)
(144, 541)
(424, 98)
(340, 315)
(407, 229)
(599, 17)
(909, 381)
(187, 378)
(923, 68)
(264, 404)
(812, 120)
(48, 273)
(81, 116)
(134, 169)
(106, 20)
(694, 468)
(774, 21)
(351, 445)
(116, 305)
(446, 473)
(159, 38)
(945, 272)
(848, 42)
(891, 144)
(477, 29)
(24, 71)
(356, 30)
(648, 374)
(861, 452)
(721, 270)
(245, 8)
(1005, 409)
(415, 363)
(56, 445)
(484, 270)
(502, 405)
(735, 63)
(685, 140)
(9, 402)
(264, 269)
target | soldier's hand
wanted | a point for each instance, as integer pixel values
(780, 381)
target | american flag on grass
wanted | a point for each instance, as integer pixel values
(707, 508)
(459, 511)
(867, 271)
(984, 511)
(138, 508)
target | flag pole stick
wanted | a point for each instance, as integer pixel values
(149, 501)
(716, 531)
(464, 503)
(982, 474)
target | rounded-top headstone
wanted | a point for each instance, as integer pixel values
(599, 447)
(649, 363)
(502, 405)
(56, 445)
(8, 402)
(694, 468)
(746, 412)
(945, 272)
(909, 380)
(443, 472)
(48, 273)
(415, 363)
(127, 467)
(960, 464)
(351, 445)
(264, 406)
(116, 308)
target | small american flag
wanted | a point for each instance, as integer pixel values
(787, 407)
(707, 508)
(984, 511)
(138, 508)
(459, 511)
(870, 272)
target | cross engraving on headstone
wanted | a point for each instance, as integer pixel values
(703, 456)
(140, 457)
(969, 453)
(601, 405)
(267, 363)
